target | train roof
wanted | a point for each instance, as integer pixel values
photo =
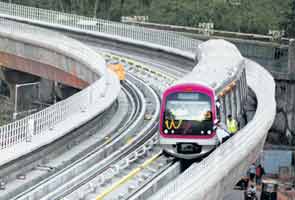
(218, 63)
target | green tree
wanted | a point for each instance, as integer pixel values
(250, 16)
(289, 22)
(145, 3)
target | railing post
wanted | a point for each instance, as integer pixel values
(31, 127)
(291, 57)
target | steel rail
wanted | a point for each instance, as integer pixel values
(65, 192)
(157, 175)
(118, 140)
(133, 117)
(129, 176)
(139, 139)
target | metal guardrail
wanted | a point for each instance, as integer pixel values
(264, 49)
(24, 129)
(214, 32)
(94, 25)
(86, 100)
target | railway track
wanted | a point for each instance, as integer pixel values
(95, 178)
(124, 176)
(133, 133)
(50, 160)
(30, 188)
(169, 68)
(127, 185)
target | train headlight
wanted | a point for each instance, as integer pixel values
(209, 132)
(172, 131)
(202, 132)
(166, 131)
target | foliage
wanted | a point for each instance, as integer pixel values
(289, 23)
(250, 16)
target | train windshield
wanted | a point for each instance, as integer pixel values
(188, 114)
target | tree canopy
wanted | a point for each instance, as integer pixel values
(258, 16)
(289, 23)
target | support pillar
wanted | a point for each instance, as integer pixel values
(291, 70)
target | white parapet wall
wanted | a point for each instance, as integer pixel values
(218, 173)
(27, 134)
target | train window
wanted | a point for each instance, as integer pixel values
(238, 98)
(233, 102)
(227, 104)
(189, 96)
(188, 113)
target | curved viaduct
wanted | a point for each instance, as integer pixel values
(35, 51)
(54, 57)
(213, 174)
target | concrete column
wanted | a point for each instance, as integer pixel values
(12, 88)
(291, 57)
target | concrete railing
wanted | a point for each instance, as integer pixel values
(217, 174)
(67, 54)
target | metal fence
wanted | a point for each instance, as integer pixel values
(94, 25)
(274, 58)
(38, 123)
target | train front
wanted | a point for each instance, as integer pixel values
(187, 121)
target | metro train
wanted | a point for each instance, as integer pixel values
(189, 109)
